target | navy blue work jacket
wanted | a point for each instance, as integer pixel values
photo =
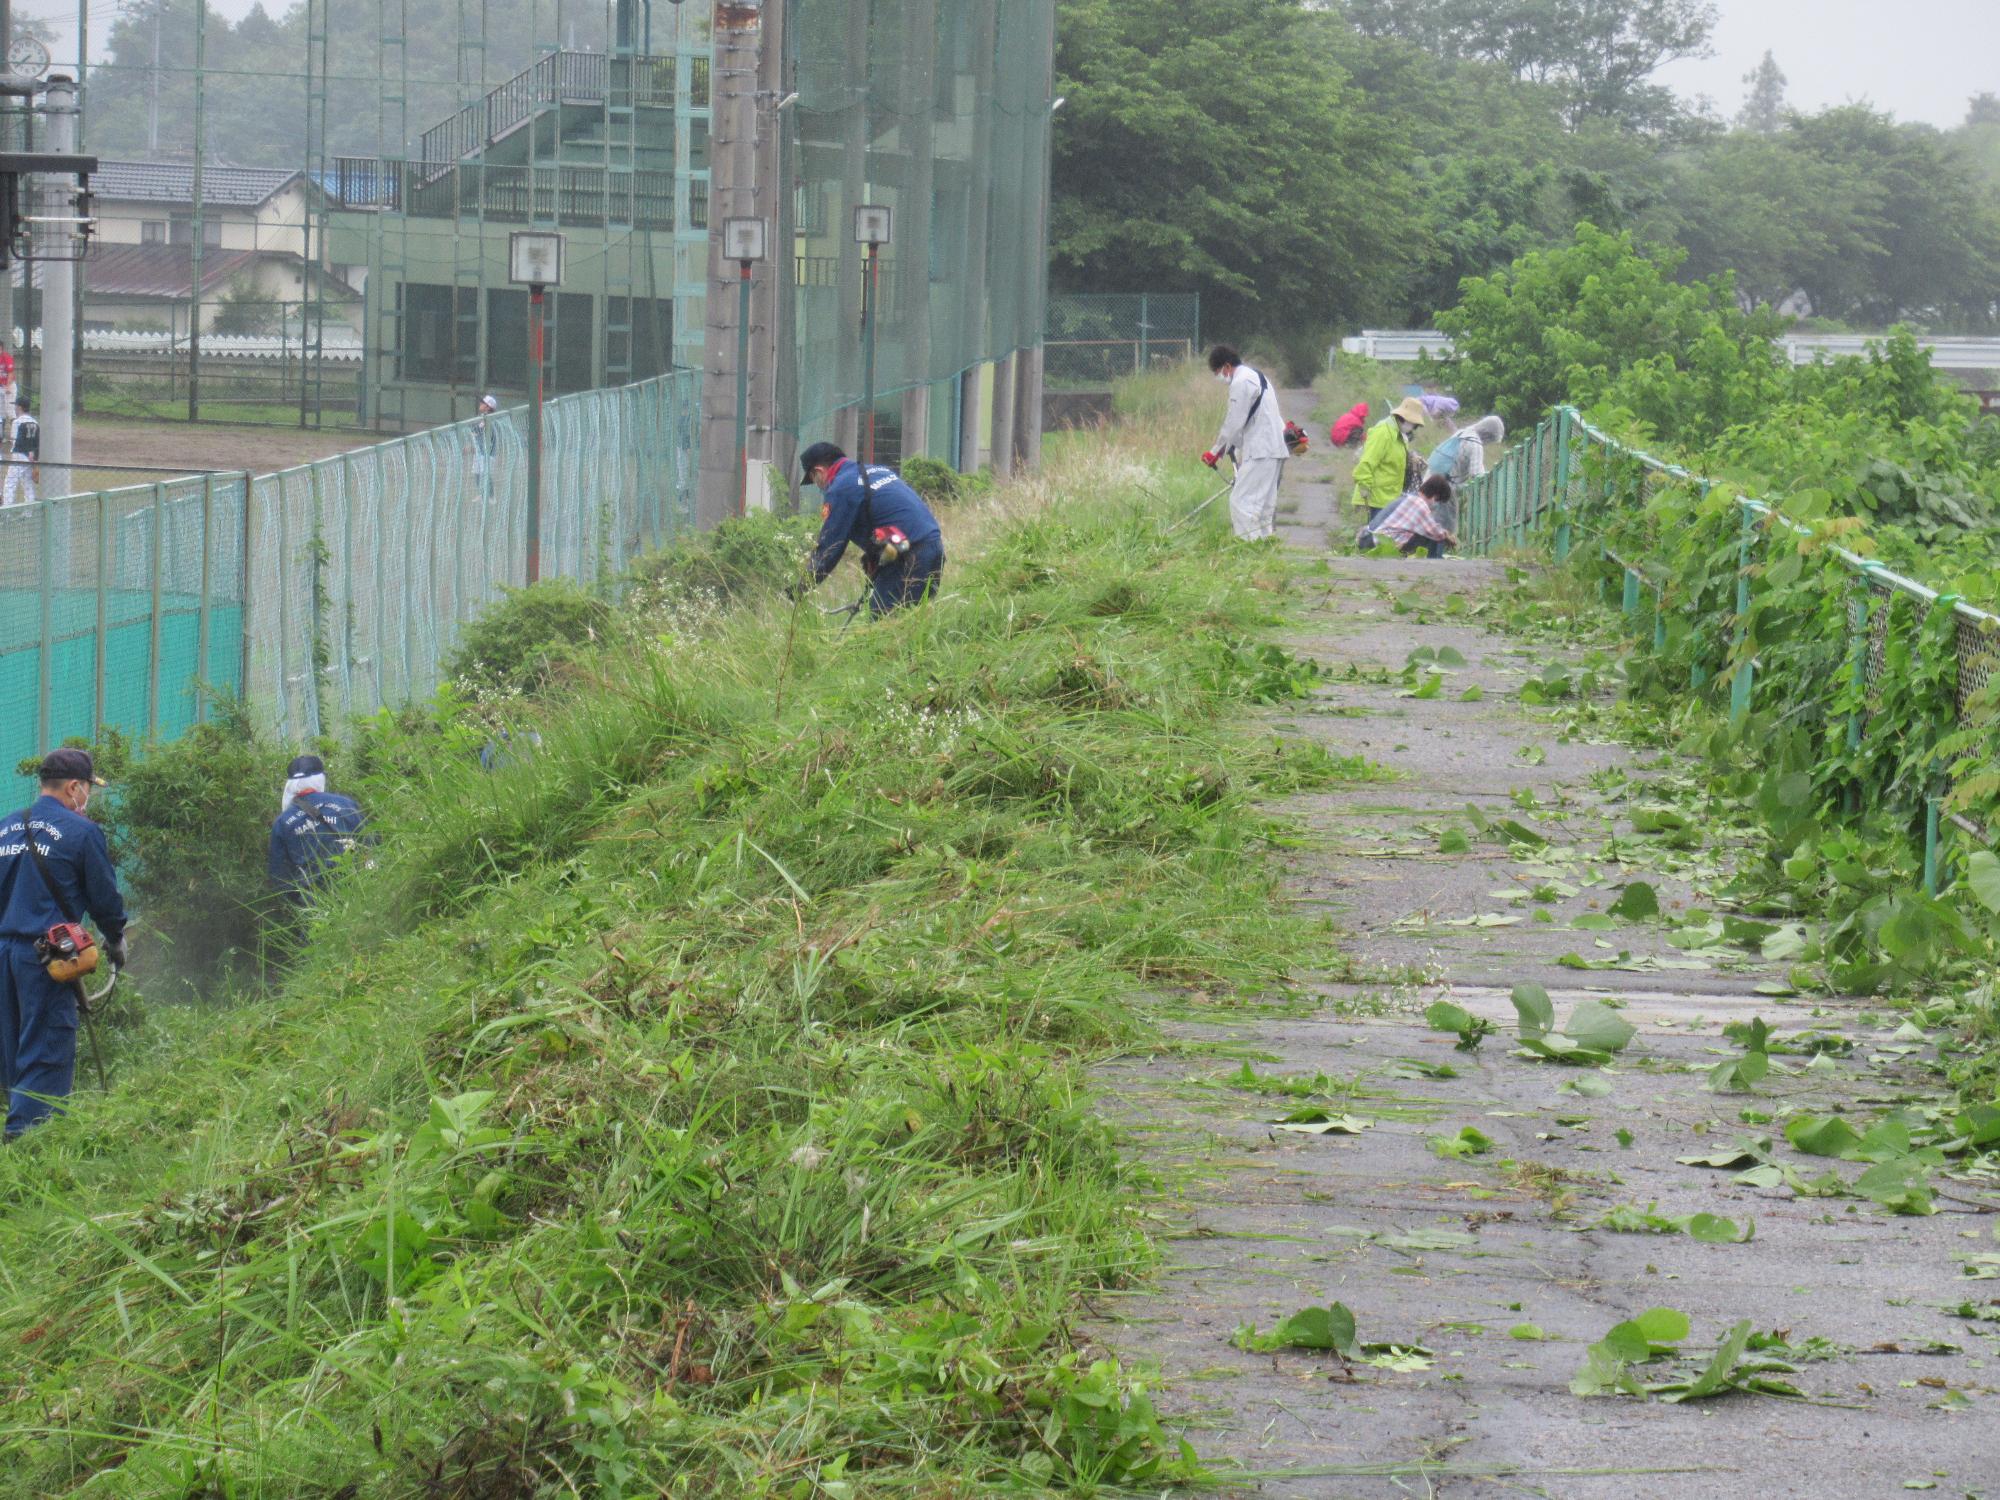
(79, 862)
(855, 507)
(308, 837)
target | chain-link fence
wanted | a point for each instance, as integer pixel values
(325, 591)
(1093, 338)
(255, 361)
(1569, 486)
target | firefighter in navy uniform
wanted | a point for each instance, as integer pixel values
(72, 875)
(901, 544)
(314, 828)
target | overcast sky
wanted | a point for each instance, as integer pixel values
(1921, 60)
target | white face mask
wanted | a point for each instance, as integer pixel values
(1223, 376)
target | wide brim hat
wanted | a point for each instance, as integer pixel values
(1411, 410)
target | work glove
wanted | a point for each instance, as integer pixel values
(115, 951)
(796, 589)
(1211, 459)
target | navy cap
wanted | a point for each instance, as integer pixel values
(305, 765)
(70, 765)
(818, 454)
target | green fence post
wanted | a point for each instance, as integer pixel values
(153, 644)
(103, 609)
(1659, 618)
(1857, 654)
(1630, 603)
(202, 607)
(248, 622)
(1739, 687)
(1697, 673)
(1562, 484)
(45, 677)
(1930, 846)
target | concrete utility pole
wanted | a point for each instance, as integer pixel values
(743, 184)
(59, 297)
(10, 140)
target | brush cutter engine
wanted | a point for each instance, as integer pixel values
(890, 544)
(67, 951)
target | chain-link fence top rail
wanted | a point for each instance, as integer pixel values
(1092, 338)
(325, 591)
(1566, 473)
(941, 108)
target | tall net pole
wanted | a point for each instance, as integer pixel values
(197, 231)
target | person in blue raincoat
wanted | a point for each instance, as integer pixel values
(900, 541)
(314, 827)
(37, 1014)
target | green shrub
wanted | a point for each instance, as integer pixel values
(762, 550)
(938, 482)
(189, 824)
(521, 645)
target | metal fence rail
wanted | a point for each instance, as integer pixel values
(1559, 484)
(1947, 351)
(325, 591)
(1092, 338)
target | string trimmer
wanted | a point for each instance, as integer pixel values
(1198, 509)
(86, 1006)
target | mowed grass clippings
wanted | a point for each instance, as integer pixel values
(697, 1106)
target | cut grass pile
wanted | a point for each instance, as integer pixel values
(695, 1105)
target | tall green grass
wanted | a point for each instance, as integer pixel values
(696, 1105)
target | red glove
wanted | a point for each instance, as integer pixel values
(1211, 459)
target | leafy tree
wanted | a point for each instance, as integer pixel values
(1601, 54)
(1764, 105)
(1931, 244)
(1983, 109)
(1221, 150)
(243, 309)
(1570, 323)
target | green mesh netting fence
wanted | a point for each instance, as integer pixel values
(1862, 637)
(325, 591)
(939, 110)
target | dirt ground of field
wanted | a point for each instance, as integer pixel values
(179, 447)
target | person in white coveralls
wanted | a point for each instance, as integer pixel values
(1253, 432)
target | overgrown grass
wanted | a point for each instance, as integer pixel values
(695, 1105)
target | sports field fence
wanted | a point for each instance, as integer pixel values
(324, 592)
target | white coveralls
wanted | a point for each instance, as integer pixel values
(1259, 442)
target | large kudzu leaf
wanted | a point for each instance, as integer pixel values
(1536, 1010)
(1330, 1327)
(1636, 902)
(1713, 1229)
(1901, 1187)
(1821, 1135)
(1597, 1026)
(1982, 874)
(1718, 1376)
(1739, 1074)
(1315, 1120)
(1979, 1125)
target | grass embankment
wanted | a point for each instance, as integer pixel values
(696, 1106)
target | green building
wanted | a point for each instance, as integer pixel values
(610, 149)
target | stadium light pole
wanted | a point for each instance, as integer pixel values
(534, 260)
(872, 226)
(743, 241)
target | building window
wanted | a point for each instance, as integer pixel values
(566, 352)
(152, 231)
(436, 344)
(211, 232)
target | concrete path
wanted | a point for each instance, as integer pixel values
(1453, 1253)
